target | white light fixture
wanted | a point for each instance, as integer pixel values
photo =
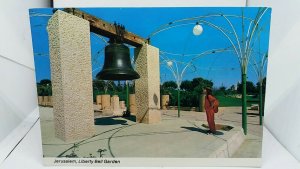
(198, 29)
(169, 63)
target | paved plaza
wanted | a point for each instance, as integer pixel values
(172, 137)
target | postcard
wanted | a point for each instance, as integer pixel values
(163, 86)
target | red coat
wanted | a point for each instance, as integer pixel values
(210, 113)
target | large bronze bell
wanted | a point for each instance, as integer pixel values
(117, 65)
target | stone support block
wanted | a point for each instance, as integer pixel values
(147, 87)
(115, 104)
(132, 104)
(98, 99)
(71, 76)
(165, 99)
(201, 103)
(40, 100)
(105, 101)
(46, 101)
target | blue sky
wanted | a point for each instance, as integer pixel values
(222, 68)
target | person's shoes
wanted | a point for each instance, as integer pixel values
(211, 132)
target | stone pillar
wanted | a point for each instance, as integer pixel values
(71, 76)
(40, 100)
(132, 104)
(115, 104)
(98, 100)
(46, 101)
(201, 102)
(122, 105)
(165, 99)
(147, 88)
(50, 101)
(105, 101)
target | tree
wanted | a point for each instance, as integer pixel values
(45, 82)
(199, 84)
(103, 85)
(169, 85)
(251, 89)
(191, 90)
(120, 87)
(263, 86)
(222, 88)
(98, 84)
(44, 88)
(186, 85)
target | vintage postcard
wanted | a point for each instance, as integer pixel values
(180, 86)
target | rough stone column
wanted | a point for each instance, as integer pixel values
(132, 104)
(46, 101)
(201, 102)
(40, 100)
(50, 101)
(98, 99)
(165, 99)
(122, 105)
(147, 88)
(105, 101)
(71, 76)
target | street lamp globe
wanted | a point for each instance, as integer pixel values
(169, 63)
(198, 29)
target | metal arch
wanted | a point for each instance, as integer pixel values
(178, 75)
(218, 28)
(195, 18)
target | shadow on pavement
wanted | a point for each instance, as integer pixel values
(195, 129)
(109, 121)
(252, 114)
(131, 118)
(219, 127)
(218, 133)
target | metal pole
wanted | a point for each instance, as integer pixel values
(178, 97)
(260, 104)
(244, 103)
(127, 96)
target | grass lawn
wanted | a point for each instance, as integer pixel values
(231, 101)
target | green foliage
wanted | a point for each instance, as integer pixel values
(189, 99)
(263, 86)
(190, 91)
(251, 89)
(101, 87)
(44, 88)
(169, 85)
(222, 91)
(198, 84)
(45, 82)
(186, 85)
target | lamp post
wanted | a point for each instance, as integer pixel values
(178, 82)
(127, 99)
(198, 29)
(242, 43)
(173, 66)
(259, 68)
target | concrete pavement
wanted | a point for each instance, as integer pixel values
(172, 137)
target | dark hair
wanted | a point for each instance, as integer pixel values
(208, 91)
